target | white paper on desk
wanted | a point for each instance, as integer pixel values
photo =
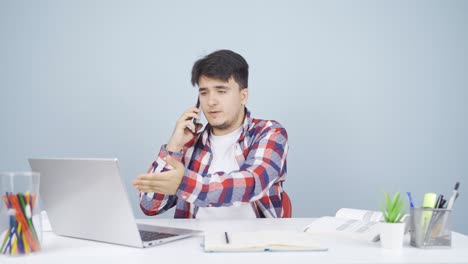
(367, 216)
(358, 214)
(345, 227)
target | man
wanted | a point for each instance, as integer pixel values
(234, 168)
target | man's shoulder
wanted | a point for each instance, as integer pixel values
(256, 122)
(264, 125)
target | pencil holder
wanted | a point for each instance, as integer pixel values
(430, 228)
(20, 218)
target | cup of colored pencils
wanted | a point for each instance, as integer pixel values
(20, 219)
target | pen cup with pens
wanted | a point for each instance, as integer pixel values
(430, 227)
(20, 218)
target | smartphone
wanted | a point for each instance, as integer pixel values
(194, 120)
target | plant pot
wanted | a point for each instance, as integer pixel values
(391, 235)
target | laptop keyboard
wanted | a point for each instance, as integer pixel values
(150, 236)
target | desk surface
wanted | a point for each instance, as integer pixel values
(57, 249)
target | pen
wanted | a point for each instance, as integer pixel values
(442, 203)
(434, 219)
(410, 199)
(227, 237)
(454, 196)
(450, 203)
(439, 201)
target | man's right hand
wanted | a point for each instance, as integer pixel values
(184, 130)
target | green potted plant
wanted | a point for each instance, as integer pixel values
(392, 229)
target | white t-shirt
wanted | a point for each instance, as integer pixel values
(224, 159)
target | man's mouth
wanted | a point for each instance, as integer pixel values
(214, 113)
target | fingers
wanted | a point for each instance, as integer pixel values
(145, 182)
(189, 116)
(146, 188)
(166, 182)
(190, 125)
(185, 121)
(192, 109)
(184, 129)
(160, 184)
(152, 177)
(192, 112)
(149, 190)
(199, 126)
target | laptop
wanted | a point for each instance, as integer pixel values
(86, 198)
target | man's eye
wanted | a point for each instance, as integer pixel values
(203, 93)
(221, 91)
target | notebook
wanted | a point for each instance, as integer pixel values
(349, 223)
(86, 198)
(266, 240)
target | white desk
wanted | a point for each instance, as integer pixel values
(58, 249)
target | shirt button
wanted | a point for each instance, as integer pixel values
(184, 196)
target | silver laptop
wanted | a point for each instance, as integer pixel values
(86, 198)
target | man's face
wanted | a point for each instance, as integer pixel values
(222, 103)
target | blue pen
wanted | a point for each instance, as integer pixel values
(410, 199)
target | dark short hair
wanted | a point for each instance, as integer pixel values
(222, 65)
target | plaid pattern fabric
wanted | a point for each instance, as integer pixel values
(261, 152)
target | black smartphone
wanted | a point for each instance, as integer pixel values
(194, 120)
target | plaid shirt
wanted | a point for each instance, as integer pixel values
(261, 152)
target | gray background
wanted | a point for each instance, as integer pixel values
(372, 93)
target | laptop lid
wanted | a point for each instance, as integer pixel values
(86, 198)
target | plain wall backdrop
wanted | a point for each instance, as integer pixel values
(373, 94)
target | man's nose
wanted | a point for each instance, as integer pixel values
(212, 100)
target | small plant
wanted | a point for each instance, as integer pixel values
(394, 209)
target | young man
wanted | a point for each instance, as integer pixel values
(234, 168)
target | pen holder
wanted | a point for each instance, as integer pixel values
(430, 228)
(20, 218)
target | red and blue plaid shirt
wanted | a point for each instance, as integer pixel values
(261, 152)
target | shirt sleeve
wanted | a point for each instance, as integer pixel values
(156, 203)
(262, 168)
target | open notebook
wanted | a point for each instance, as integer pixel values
(349, 223)
(261, 241)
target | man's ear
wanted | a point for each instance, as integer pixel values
(244, 96)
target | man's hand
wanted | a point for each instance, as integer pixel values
(162, 182)
(184, 130)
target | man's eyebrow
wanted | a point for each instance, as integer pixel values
(222, 87)
(201, 89)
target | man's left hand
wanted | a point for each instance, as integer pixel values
(162, 182)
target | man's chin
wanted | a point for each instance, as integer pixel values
(219, 126)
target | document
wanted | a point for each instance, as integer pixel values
(261, 241)
(348, 223)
